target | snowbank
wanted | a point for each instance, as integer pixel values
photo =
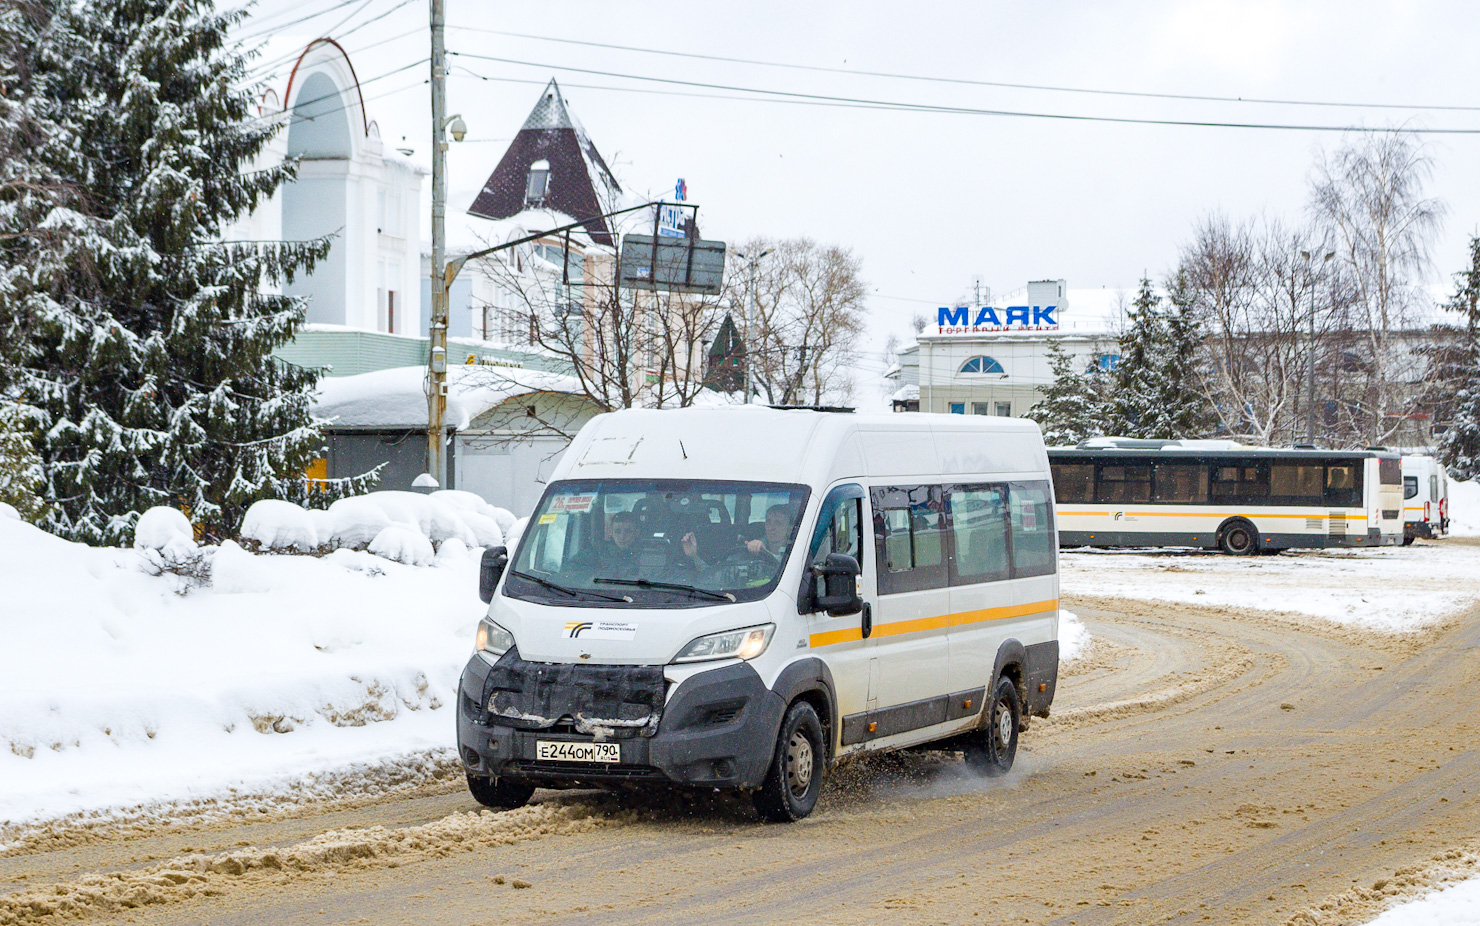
(115, 688)
(1464, 508)
(361, 520)
(1384, 589)
(1457, 905)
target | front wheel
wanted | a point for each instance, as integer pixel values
(794, 779)
(499, 793)
(990, 751)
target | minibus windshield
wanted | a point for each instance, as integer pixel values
(615, 542)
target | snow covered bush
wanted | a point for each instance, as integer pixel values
(403, 544)
(279, 525)
(165, 540)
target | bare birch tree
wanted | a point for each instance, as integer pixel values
(804, 302)
(1369, 196)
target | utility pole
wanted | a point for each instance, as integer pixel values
(437, 332)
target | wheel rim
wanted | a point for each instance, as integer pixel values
(1004, 729)
(1238, 539)
(798, 763)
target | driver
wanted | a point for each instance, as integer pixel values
(621, 550)
(773, 544)
(778, 532)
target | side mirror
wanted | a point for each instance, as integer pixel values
(839, 574)
(490, 569)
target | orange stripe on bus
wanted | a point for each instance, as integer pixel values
(962, 618)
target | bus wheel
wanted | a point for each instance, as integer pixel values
(1238, 539)
(990, 751)
(499, 793)
(795, 778)
(1407, 539)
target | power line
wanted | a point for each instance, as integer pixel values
(889, 105)
(969, 82)
(271, 65)
(329, 96)
(303, 19)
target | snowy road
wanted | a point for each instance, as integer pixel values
(1203, 765)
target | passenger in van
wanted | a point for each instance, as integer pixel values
(622, 555)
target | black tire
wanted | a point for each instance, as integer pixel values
(1239, 539)
(990, 750)
(794, 779)
(499, 793)
(1408, 540)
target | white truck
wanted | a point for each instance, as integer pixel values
(745, 597)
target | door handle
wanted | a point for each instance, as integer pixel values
(868, 620)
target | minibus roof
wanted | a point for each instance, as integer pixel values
(815, 448)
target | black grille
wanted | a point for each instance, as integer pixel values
(540, 696)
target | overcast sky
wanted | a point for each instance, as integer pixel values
(930, 201)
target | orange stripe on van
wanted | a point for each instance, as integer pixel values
(1200, 514)
(895, 628)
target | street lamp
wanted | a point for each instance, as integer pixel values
(751, 263)
(1310, 360)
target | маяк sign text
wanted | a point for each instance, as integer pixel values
(965, 320)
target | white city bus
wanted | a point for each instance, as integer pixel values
(1425, 498)
(743, 597)
(1114, 492)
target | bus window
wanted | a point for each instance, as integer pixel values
(1296, 483)
(979, 528)
(1074, 482)
(1410, 487)
(1389, 472)
(1182, 483)
(909, 538)
(1248, 484)
(1343, 486)
(1032, 530)
(1119, 483)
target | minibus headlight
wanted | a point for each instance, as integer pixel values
(493, 639)
(746, 643)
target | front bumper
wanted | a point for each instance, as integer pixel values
(717, 729)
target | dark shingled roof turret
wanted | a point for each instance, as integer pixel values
(579, 182)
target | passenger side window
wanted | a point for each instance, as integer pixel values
(1182, 483)
(909, 538)
(839, 525)
(1032, 529)
(979, 533)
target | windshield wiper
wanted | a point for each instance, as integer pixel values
(674, 586)
(572, 592)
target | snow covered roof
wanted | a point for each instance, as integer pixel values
(397, 398)
(579, 179)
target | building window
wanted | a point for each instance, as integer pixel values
(958, 408)
(537, 184)
(1107, 362)
(979, 408)
(982, 365)
(1004, 409)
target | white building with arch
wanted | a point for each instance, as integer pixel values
(350, 186)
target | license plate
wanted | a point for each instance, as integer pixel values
(559, 751)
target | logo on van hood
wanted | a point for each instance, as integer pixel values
(600, 630)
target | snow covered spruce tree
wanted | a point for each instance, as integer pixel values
(1459, 446)
(1074, 404)
(1153, 393)
(149, 355)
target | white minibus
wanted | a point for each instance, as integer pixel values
(1425, 498)
(1117, 492)
(744, 597)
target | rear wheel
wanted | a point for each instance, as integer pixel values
(1407, 539)
(990, 751)
(794, 780)
(1239, 539)
(499, 793)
